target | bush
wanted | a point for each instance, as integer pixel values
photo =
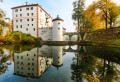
(19, 37)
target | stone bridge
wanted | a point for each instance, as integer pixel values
(70, 34)
(79, 48)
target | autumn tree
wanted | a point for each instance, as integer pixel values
(3, 23)
(113, 13)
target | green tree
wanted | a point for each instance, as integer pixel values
(78, 14)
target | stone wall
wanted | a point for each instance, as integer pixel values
(104, 35)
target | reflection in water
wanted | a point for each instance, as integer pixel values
(35, 62)
(88, 63)
(5, 56)
(88, 67)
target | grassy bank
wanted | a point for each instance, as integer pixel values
(18, 38)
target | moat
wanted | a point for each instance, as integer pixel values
(59, 63)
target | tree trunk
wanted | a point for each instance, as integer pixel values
(106, 20)
(78, 30)
(110, 23)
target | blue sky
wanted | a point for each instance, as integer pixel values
(63, 8)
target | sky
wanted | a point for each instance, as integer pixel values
(63, 8)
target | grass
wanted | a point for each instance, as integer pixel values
(18, 38)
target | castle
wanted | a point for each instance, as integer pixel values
(34, 20)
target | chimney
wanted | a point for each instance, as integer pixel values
(27, 3)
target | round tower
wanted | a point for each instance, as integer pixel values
(57, 31)
(57, 52)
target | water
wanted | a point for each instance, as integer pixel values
(59, 64)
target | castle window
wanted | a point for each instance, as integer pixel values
(16, 15)
(17, 57)
(21, 62)
(40, 10)
(17, 71)
(17, 67)
(31, 8)
(28, 25)
(58, 28)
(28, 73)
(28, 58)
(27, 14)
(17, 62)
(34, 54)
(27, 8)
(32, 14)
(21, 67)
(20, 9)
(20, 20)
(28, 68)
(32, 19)
(27, 19)
(20, 26)
(16, 20)
(32, 24)
(33, 69)
(34, 29)
(20, 15)
(27, 54)
(16, 26)
(21, 57)
(16, 10)
(32, 63)
(28, 63)
(27, 29)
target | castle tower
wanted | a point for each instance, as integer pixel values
(57, 31)
(57, 52)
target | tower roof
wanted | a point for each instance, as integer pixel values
(58, 18)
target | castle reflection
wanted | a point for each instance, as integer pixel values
(35, 62)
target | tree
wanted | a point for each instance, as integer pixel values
(93, 18)
(3, 23)
(113, 13)
(78, 14)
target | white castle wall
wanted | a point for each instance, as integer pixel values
(57, 31)
(24, 22)
(45, 34)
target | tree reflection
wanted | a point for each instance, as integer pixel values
(3, 62)
(84, 64)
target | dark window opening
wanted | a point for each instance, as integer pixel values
(31, 8)
(27, 8)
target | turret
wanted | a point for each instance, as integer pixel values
(57, 31)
